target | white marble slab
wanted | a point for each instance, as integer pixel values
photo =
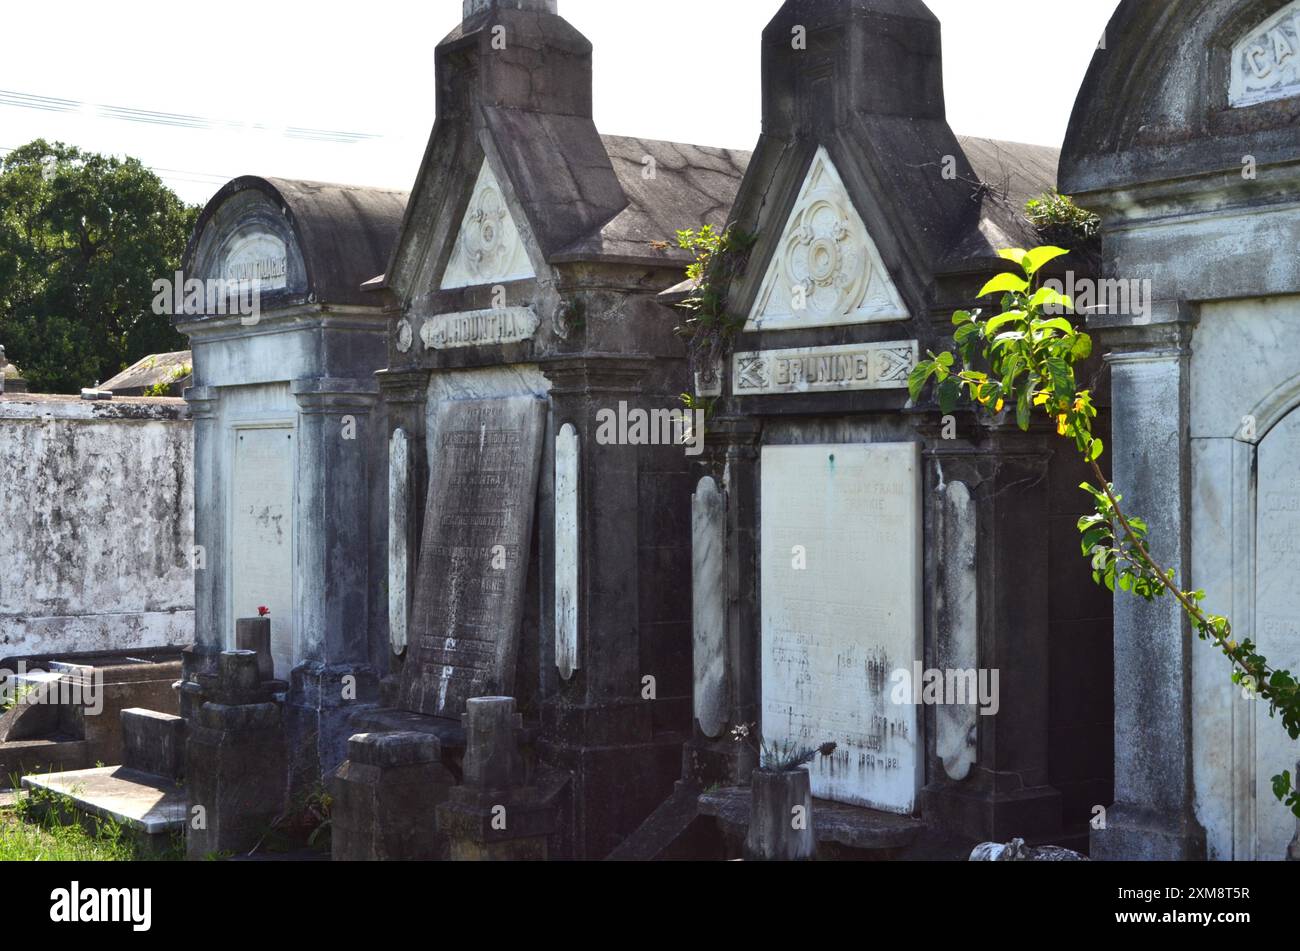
(709, 603)
(262, 534)
(399, 507)
(567, 552)
(841, 611)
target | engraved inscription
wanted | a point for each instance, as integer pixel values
(868, 366)
(1266, 61)
(474, 557)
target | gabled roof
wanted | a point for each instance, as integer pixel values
(691, 185)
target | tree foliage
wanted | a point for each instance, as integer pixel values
(82, 239)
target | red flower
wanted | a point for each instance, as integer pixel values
(263, 611)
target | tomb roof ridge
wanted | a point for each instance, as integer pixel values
(345, 232)
(1167, 112)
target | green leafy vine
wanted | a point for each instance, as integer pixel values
(1025, 357)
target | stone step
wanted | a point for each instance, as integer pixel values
(146, 804)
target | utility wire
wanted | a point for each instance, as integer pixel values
(22, 100)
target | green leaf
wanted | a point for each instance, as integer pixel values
(1005, 283)
(1002, 320)
(945, 359)
(1013, 254)
(1082, 347)
(1038, 257)
(961, 317)
(918, 378)
(1095, 451)
(1047, 297)
(1023, 410)
(949, 392)
(1056, 323)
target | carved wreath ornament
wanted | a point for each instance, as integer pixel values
(825, 261)
(487, 240)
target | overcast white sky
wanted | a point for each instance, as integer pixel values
(250, 69)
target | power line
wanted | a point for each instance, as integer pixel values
(22, 100)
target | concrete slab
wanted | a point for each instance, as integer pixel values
(137, 800)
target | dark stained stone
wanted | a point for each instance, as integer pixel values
(474, 557)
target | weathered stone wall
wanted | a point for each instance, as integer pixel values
(96, 524)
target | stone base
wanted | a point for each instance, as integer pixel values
(851, 831)
(236, 771)
(385, 796)
(1136, 834)
(722, 762)
(514, 825)
(318, 718)
(676, 831)
(984, 816)
(615, 788)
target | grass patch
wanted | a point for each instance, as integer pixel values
(43, 827)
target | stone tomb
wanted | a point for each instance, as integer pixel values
(1207, 403)
(473, 560)
(851, 545)
(841, 581)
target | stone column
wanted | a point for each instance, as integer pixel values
(209, 542)
(987, 564)
(1153, 816)
(733, 448)
(405, 397)
(339, 442)
(618, 744)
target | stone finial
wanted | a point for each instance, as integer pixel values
(475, 7)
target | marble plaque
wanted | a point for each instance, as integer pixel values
(709, 604)
(479, 328)
(261, 544)
(1277, 560)
(867, 366)
(566, 550)
(258, 259)
(841, 611)
(1266, 61)
(399, 508)
(468, 606)
(957, 628)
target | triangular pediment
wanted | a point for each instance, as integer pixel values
(825, 271)
(489, 248)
